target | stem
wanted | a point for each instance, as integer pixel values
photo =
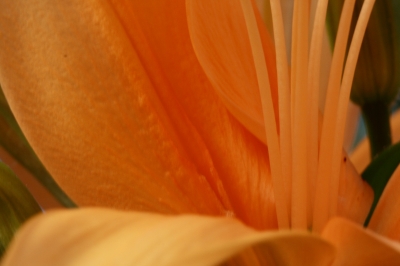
(377, 120)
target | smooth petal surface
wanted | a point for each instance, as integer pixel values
(219, 35)
(86, 138)
(355, 195)
(104, 237)
(86, 104)
(239, 158)
(357, 246)
(386, 217)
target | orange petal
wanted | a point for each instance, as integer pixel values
(104, 237)
(357, 246)
(220, 39)
(239, 158)
(355, 195)
(189, 137)
(89, 109)
(386, 217)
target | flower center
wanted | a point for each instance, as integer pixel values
(306, 163)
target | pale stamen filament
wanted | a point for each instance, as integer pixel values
(268, 114)
(296, 163)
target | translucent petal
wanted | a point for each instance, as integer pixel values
(358, 246)
(386, 217)
(104, 237)
(221, 43)
(239, 158)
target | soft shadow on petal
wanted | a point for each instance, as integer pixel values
(105, 237)
(86, 104)
(386, 217)
(219, 35)
(355, 195)
(293, 248)
(240, 159)
(357, 246)
(190, 140)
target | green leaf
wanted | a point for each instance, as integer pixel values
(379, 171)
(13, 140)
(16, 205)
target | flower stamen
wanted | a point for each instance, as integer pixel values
(268, 114)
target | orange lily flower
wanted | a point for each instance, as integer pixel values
(168, 108)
